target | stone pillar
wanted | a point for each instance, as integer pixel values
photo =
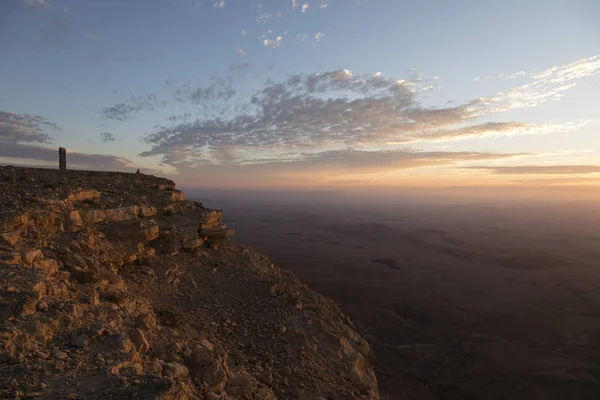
(62, 159)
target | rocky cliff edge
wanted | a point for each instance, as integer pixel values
(114, 286)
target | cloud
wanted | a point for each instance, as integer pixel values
(557, 181)
(495, 129)
(180, 117)
(315, 169)
(219, 4)
(351, 160)
(241, 51)
(332, 110)
(240, 66)
(547, 85)
(323, 4)
(301, 37)
(540, 169)
(56, 32)
(16, 128)
(319, 36)
(313, 111)
(295, 4)
(74, 160)
(106, 137)
(220, 89)
(37, 3)
(272, 42)
(265, 17)
(92, 36)
(130, 108)
(243, 32)
(305, 7)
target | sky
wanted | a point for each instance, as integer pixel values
(286, 94)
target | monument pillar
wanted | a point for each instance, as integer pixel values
(62, 158)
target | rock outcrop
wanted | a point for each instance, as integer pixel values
(114, 286)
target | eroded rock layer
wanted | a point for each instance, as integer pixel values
(114, 286)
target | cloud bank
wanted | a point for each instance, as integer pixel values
(15, 128)
(22, 137)
(540, 169)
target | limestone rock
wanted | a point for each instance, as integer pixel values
(175, 370)
(48, 266)
(80, 341)
(84, 195)
(97, 282)
(11, 258)
(145, 211)
(30, 255)
(10, 238)
(120, 214)
(138, 338)
(146, 322)
(238, 386)
(28, 307)
(93, 216)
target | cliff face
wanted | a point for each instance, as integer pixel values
(113, 286)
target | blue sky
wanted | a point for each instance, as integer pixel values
(230, 93)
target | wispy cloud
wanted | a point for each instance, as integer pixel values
(240, 66)
(265, 17)
(319, 36)
(547, 85)
(540, 169)
(570, 181)
(92, 36)
(351, 160)
(107, 137)
(243, 32)
(219, 4)
(272, 42)
(130, 108)
(219, 89)
(489, 129)
(37, 3)
(179, 117)
(301, 37)
(320, 168)
(18, 128)
(305, 7)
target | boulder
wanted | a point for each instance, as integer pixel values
(48, 266)
(30, 255)
(138, 230)
(120, 214)
(11, 220)
(10, 238)
(138, 338)
(84, 195)
(238, 386)
(145, 211)
(146, 322)
(175, 370)
(93, 216)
